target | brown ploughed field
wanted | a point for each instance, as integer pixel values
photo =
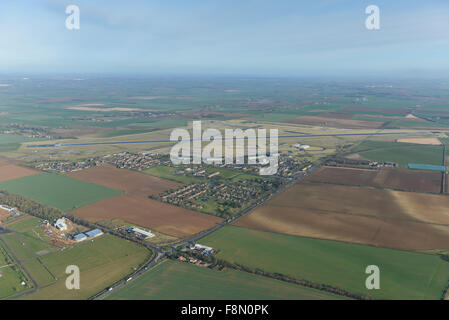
(135, 206)
(164, 218)
(386, 218)
(392, 178)
(132, 182)
(10, 171)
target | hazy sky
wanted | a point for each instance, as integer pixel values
(267, 37)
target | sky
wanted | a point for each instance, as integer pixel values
(260, 37)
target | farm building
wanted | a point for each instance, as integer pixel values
(61, 224)
(301, 146)
(9, 209)
(80, 237)
(144, 233)
(426, 167)
(201, 247)
(94, 233)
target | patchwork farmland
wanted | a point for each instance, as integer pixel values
(126, 180)
(400, 153)
(165, 218)
(334, 263)
(102, 261)
(10, 171)
(135, 206)
(58, 191)
(166, 279)
(385, 218)
(399, 179)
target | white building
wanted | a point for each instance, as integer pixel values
(301, 146)
(146, 234)
(202, 247)
(60, 224)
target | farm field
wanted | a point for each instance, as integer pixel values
(11, 142)
(9, 171)
(401, 153)
(392, 178)
(385, 218)
(23, 250)
(172, 220)
(177, 280)
(334, 263)
(168, 173)
(58, 191)
(336, 122)
(102, 262)
(431, 141)
(132, 182)
(29, 232)
(11, 275)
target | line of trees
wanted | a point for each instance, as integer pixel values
(222, 264)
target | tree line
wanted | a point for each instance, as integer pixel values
(221, 264)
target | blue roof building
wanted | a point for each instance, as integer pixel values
(94, 233)
(80, 237)
(419, 166)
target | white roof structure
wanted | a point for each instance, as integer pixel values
(147, 234)
(60, 224)
(200, 246)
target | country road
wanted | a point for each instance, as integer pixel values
(160, 254)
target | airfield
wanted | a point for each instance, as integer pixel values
(349, 199)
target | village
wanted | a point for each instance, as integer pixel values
(26, 131)
(124, 160)
(288, 165)
(226, 197)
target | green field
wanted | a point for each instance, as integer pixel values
(11, 142)
(404, 275)
(102, 262)
(58, 191)
(178, 280)
(169, 173)
(401, 153)
(32, 235)
(125, 132)
(11, 276)
(23, 248)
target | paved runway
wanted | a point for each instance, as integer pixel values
(56, 145)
